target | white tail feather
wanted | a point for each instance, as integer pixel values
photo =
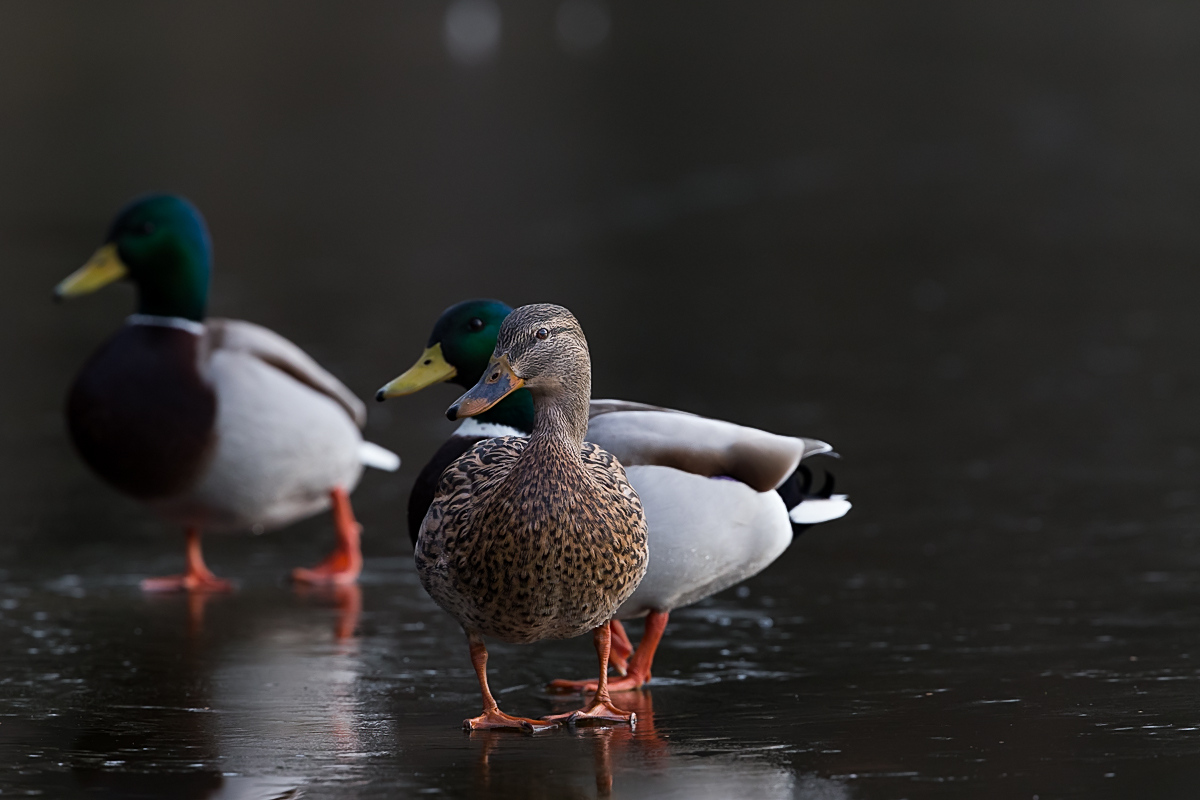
(378, 457)
(815, 447)
(818, 509)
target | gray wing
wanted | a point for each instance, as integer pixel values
(271, 348)
(597, 407)
(641, 435)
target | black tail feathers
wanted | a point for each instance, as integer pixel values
(798, 488)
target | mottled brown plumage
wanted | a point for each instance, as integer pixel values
(539, 538)
(525, 543)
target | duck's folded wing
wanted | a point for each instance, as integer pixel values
(598, 407)
(469, 480)
(644, 435)
(271, 348)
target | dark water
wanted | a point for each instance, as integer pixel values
(957, 241)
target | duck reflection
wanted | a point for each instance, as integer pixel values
(347, 600)
(249, 684)
(193, 786)
(197, 604)
(292, 682)
(157, 735)
(630, 763)
(556, 781)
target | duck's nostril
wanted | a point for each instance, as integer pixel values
(428, 361)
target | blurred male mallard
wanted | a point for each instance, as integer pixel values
(215, 424)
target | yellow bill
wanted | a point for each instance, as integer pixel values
(102, 268)
(430, 368)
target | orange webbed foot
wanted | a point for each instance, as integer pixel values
(333, 571)
(638, 674)
(632, 680)
(197, 577)
(599, 710)
(497, 719)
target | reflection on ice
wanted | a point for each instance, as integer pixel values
(190, 786)
(631, 763)
(239, 788)
(291, 686)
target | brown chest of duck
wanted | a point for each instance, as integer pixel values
(539, 538)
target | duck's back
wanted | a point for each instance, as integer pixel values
(228, 427)
(530, 549)
(141, 414)
(707, 535)
(286, 434)
(281, 447)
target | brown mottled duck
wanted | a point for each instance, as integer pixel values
(538, 538)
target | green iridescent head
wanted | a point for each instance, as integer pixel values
(459, 348)
(159, 242)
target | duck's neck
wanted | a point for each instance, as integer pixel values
(178, 287)
(560, 417)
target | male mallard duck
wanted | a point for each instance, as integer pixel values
(706, 534)
(540, 537)
(215, 424)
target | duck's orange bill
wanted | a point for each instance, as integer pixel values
(497, 383)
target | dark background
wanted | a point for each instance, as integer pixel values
(958, 241)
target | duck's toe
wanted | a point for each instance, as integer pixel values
(497, 719)
(599, 710)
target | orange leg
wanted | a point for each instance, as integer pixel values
(492, 716)
(344, 564)
(622, 648)
(638, 673)
(601, 707)
(197, 578)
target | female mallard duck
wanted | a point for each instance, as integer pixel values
(215, 424)
(540, 537)
(706, 534)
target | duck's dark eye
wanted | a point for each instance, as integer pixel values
(476, 324)
(146, 228)
(542, 334)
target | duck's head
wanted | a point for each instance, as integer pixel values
(540, 347)
(159, 242)
(460, 347)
